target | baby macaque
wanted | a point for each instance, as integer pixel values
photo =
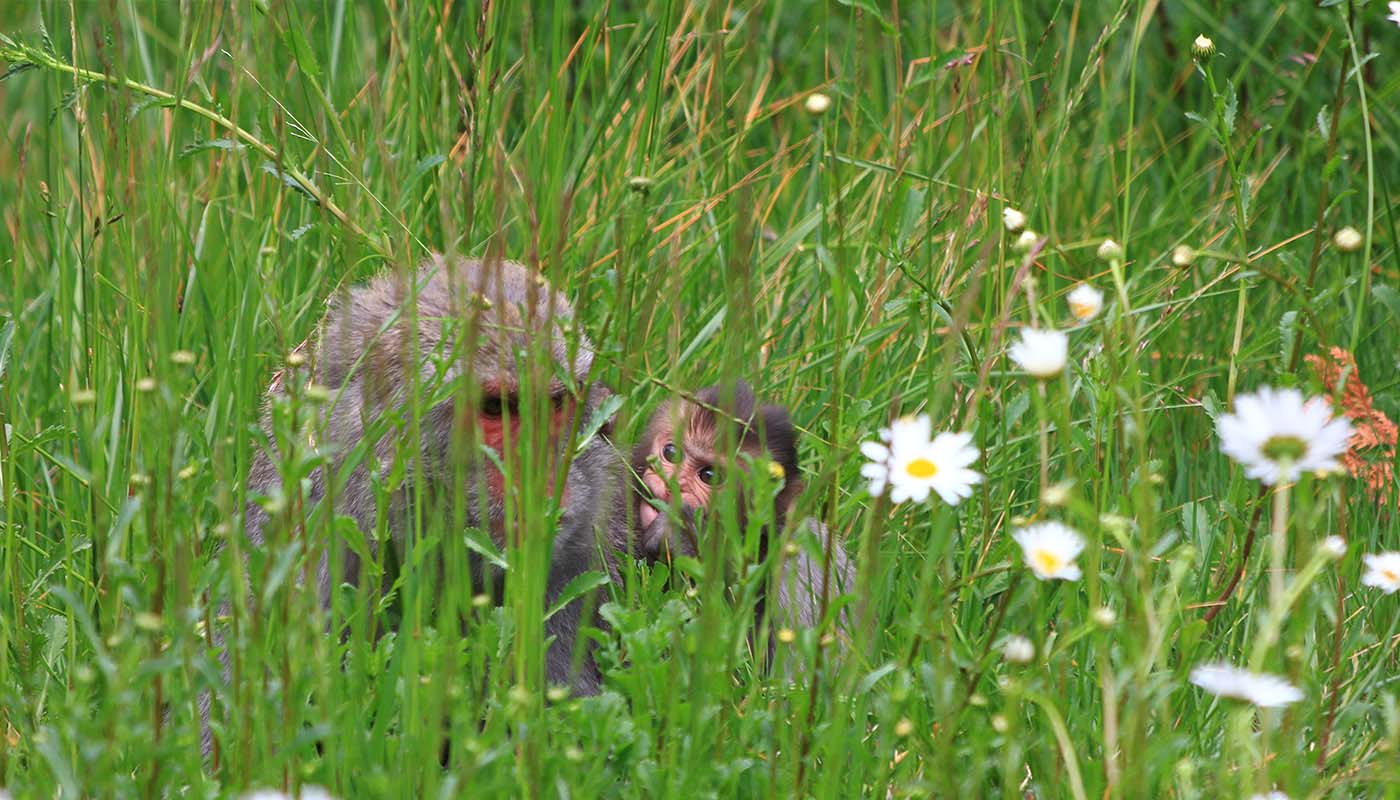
(475, 322)
(688, 452)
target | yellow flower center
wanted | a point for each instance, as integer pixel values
(1284, 448)
(776, 470)
(1048, 562)
(922, 468)
(1081, 310)
(1391, 575)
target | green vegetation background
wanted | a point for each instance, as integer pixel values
(655, 161)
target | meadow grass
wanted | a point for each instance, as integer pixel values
(183, 185)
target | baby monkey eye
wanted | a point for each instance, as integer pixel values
(671, 453)
(708, 475)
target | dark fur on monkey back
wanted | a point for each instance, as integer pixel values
(473, 318)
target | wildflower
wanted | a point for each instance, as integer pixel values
(1382, 572)
(1334, 547)
(1014, 220)
(1394, 13)
(1041, 353)
(1183, 256)
(1262, 690)
(1026, 241)
(1050, 549)
(912, 464)
(1085, 302)
(1018, 650)
(1277, 435)
(1348, 239)
(1203, 48)
(817, 104)
(904, 727)
(1110, 251)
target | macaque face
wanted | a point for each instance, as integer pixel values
(691, 467)
(685, 459)
(499, 416)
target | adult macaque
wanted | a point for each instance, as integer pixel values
(477, 324)
(689, 450)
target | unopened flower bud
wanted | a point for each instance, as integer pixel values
(817, 104)
(1026, 241)
(1183, 256)
(1348, 239)
(1334, 547)
(1013, 219)
(1203, 48)
(1018, 650)
(1110, 251)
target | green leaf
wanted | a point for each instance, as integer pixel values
(576, 588)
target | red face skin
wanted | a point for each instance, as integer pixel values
(690, 468)
(499, 418)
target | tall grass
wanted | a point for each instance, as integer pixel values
(183, 185)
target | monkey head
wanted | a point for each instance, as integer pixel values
(497, 352)
(691, 450)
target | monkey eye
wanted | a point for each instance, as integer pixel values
(708, 475)
(491, 405)
(671, 453)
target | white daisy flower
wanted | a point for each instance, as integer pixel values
(1262, 690)
(1013, 220)
(1050, 549)
(1042, 353)
(1382, 572)
(1394, 13)
(913, 465)
(1348, 239)
(1026, 241)
(1085, 302)
(1277, 435)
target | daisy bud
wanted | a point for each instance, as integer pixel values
(1203, 48)
(1348, 239)
(1018, 650)
(817, 104)
(1183, 256)
(183, 358)
(640, 184)
(787, 635)
(1041, 353)
(1013, 219)
(1105, 616)
(1110, 251)
(1026, 241)
(317, 393)
(556, 694)
(296, 358)
(903, 728)
(999, 723)
(146, 385)
(1056, 495)
(1334, 547)
(1085, 302)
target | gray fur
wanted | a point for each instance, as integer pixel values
(364, 357)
